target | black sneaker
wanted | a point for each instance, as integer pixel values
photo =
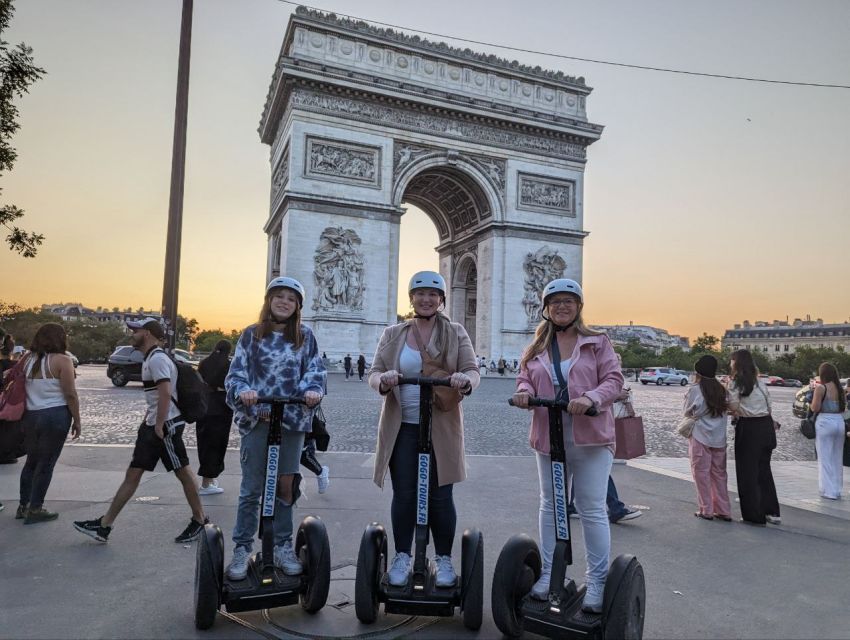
(21, 512)
(93, 529)
(192, 531)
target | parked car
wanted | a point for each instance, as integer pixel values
(181, 355)
(124, 365)
(74, 360)
(663, 375)
(791, 382)
(774, 381)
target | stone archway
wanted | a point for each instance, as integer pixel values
(360, 120)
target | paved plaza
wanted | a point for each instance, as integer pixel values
(111, 416)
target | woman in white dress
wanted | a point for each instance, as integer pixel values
(828, 403)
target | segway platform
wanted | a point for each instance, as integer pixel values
(429, 600)
(256, 592)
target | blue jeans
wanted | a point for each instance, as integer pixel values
(253, 459)
(616, 508)
(45, 431)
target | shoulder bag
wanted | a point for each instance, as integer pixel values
(13, 398)
(445, 398)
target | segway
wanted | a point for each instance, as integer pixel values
(421, 595)
(519, 567)
(265, 586)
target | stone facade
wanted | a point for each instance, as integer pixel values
(778, 338)
(361, 120)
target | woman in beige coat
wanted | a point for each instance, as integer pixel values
(400, 353)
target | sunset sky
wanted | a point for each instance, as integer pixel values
(708, 201)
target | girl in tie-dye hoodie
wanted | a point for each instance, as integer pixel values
(278, 356)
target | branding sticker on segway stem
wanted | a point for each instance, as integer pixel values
(422, 474)
(559, 484)
(271, 480)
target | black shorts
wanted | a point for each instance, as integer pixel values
(170, 449)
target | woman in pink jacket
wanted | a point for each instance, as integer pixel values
(588, 365)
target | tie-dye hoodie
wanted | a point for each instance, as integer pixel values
(273, 367)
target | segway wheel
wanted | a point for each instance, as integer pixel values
(517, 569)
(472, 578)
(625, 600)
(313, 549)
(209, 573)
(371, 566)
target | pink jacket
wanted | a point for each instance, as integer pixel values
(594, 373)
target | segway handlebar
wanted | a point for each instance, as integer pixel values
(557, 404)
(423, 380)
(279, 400)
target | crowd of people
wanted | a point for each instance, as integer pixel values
(279, 356)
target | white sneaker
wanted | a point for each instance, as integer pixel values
(593, 597)
(324, 479)
(540, 590)
(238, 567)
(446, 576)
(400, 570)
(286, 560)
(211, 489)
(773, 519)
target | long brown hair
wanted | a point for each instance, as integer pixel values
(714, 394)
(292, 325)
(544, 332)
(50, 338)
(744, 371)
(828, 373)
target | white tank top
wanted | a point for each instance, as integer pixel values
(43, 392)
(409, 364)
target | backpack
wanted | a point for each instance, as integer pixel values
(13, 392)
(191, 392)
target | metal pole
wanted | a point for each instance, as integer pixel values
(171, 280)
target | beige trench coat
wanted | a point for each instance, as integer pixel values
(446, 427)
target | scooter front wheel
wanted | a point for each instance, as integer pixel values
(313, 549)
(517, 569)
(472, 578)
(625, 600)
(371, 565)
(209, 572)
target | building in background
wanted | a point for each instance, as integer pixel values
(649, 337)
(76, 312)
(781, 337)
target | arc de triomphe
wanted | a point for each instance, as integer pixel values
(361, 120)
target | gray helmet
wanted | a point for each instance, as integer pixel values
(563, 285)
(427, 280)
(284, 282)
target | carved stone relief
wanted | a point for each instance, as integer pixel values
(281, 173)
(343, 162)
(540, 268)
(415, 120)
(542, 193)
(338, 271)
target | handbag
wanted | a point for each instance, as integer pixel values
(807, 426)
(629, 437)
(445, 398)
(686, 425)
(13, 398)
(776, 423)
(319, 429)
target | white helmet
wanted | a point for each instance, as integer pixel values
(288, 283)
(427, 280)
(563, 285)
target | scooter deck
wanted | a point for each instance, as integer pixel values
(251, 594)
(431, 600)
(565, 621)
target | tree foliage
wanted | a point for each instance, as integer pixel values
(17, 73)
(206, 340)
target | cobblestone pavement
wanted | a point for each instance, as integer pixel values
(111, 416)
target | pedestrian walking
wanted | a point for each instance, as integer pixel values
(53, 409)
(618, 511)
(755, 440)
(310, 462)
(404, 350)
(829, 403)
(501, 366)
(361, 366)
(213, 430)
(707, 402)
(346, 361)
(159, 438)
(278, 356)
(567, 357)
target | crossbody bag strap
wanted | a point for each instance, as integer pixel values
(419, 343)
(150, 355)
(766, 399)
(556, 364)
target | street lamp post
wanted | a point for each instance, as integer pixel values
(171, 279)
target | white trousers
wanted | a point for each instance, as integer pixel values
(589, 468)
(829, 443)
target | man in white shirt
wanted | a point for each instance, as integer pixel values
(160, 436)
